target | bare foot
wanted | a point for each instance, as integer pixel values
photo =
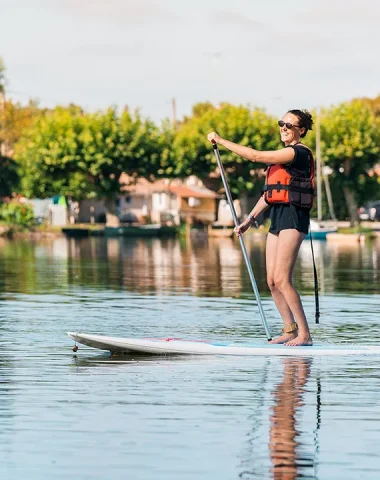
(286, 337)
(300, 340)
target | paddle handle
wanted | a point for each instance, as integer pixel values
(242, 244)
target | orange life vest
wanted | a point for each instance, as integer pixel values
(283, 185)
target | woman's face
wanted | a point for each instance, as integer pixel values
(292, 134)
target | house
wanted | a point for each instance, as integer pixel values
(165, 201)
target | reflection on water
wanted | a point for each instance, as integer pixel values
(284, 443)
(292, 450)
(211, 267)
(344, 267)
(95, 416)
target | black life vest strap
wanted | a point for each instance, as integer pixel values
(290, 188)
(277, 186)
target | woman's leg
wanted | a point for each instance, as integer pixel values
(289, 242)
(279, 299)
(284, 255)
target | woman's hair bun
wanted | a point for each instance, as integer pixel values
(305, 119)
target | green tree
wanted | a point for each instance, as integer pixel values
(194, 155)
(2, 104)
(17, 213)
(350, 143)
(84, 155)
(142, 145)
(49, 155)
(2, 76)
(166, 166)
(112, 145)
(340, 209)
(9, 178)
(373, 104)
(200, 109)
(16, 119)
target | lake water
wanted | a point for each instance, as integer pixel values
(92, 416)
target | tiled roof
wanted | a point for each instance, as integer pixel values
(192, 191)
(143, 187)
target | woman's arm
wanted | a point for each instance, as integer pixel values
(285, 155)
(260, 206)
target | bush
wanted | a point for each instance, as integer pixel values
(17, 213)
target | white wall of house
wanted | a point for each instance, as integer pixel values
(57, 215)
(128, 207)
(224, 212)
(165, 207)
(131, 207)
(161, 207)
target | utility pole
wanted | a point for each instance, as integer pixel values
(174, 113)
(319, 176)
(328, 191)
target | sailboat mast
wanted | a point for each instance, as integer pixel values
(318, 162)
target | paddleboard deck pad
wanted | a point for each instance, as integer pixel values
(178, 346)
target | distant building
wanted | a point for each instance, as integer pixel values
(168, 201)
(163, 201)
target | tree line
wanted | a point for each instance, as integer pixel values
(67, 151)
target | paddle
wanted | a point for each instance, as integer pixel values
(245, 254)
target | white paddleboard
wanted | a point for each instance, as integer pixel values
(175, 346)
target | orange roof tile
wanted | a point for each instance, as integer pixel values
(142, 186)
(196, 192)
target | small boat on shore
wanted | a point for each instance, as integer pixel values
(319, 230)
(153, 230)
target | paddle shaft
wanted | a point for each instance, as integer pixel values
(242, 244)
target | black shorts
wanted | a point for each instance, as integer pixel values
(284, 217)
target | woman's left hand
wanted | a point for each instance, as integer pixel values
(214, 136)
(243, 227)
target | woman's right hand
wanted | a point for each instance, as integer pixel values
(243, 227)
(213, 136)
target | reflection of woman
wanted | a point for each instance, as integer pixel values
(289, 192)
(283, 433)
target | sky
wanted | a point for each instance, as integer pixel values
(273, 54)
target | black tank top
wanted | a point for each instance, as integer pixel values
(284, 217)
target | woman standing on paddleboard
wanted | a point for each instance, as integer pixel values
(288, 192)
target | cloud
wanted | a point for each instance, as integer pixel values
(357, 13)
(124, 11)
(308, 44)
(107, 50)
(236, 19)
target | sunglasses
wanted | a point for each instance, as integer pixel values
(287, 125)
